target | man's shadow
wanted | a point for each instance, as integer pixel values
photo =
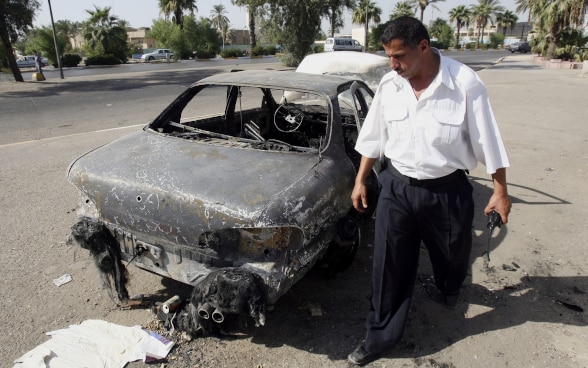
(341, 303)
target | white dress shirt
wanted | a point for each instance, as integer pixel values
(450, 127)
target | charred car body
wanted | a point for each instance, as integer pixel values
(246, 175)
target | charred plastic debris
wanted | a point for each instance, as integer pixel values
(231, 295)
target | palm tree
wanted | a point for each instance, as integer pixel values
(334, 11)
(220, 21)
(485, 11)
(102, 30)
(422, 5)
(506, 20)
(556, 16)
(402, 9)
(365, 12)
(251, 6)
(461, 16)
(176, 8)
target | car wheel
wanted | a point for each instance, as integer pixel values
(343, 248)
(151, 58)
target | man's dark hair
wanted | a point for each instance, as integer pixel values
(408, 29)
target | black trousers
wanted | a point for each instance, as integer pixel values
(441, 217)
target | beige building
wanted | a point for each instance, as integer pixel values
(139, 37)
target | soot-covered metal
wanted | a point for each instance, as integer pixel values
(238, 188)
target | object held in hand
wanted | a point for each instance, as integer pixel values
(494, 221)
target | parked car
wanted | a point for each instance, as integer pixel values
(523, 47)
(28, 61)
(342, 44)
(159, 54)
(234, 188)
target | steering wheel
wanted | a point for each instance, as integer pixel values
(288, 118)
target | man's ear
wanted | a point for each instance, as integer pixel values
(423, 45)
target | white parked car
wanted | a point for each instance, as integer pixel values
(159, 54)
(28, 61)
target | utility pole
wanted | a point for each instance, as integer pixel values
(55, 41)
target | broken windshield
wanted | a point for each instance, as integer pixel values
(251, 117)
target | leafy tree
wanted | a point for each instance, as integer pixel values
(70, 30)
(366, 12)
(402, 9)
(16, 17)
(423, 4)
(220, 21)
(496, 40)
(334, 13)
(440, 30)
(506, 20)
(299, 26)
(104, 34)
(555, 17)
(196, 37)
(485, 11)
(176, 8)
(252, 7)
(43, 42)
(461, 15)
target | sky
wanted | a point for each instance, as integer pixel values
(141, 13)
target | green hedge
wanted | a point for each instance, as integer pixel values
(258, 51)
(70, 60)
(232, 52)
(205, 54)
(102, 60)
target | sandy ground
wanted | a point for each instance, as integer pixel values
(526, 309)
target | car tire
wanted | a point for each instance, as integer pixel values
(343, 248)
(151, 58)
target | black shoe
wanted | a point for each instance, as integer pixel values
(450, 301)
(360, 356)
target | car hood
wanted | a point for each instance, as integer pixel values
(152, 180)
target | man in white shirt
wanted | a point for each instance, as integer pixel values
(431, 121)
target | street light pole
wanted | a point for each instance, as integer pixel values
(55, 41)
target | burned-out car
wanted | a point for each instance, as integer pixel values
(245, 177)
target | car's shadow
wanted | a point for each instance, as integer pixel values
(325, 315)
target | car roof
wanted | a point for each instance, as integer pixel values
(341, 61)
(279, 79)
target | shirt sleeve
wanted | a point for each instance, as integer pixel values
(484, 134)
(370, 140)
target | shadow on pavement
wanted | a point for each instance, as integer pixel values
(342, 301)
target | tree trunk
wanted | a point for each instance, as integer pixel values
(551, 48)
(365, 47)
(8, 46)
(457, 37)
(252, 37)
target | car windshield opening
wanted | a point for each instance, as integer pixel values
(250, 117)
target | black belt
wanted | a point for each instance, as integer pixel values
(454, 176)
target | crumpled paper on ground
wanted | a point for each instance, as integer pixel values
(96, 343)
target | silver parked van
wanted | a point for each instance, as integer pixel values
(342, 44)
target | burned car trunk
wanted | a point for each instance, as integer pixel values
(248, 171)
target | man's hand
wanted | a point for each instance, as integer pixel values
(359, 194)
(500, 204)
(499, 201)
(359, 197)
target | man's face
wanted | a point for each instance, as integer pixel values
(406, 61)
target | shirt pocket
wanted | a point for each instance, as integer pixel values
(396, 118)
(445, 126)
